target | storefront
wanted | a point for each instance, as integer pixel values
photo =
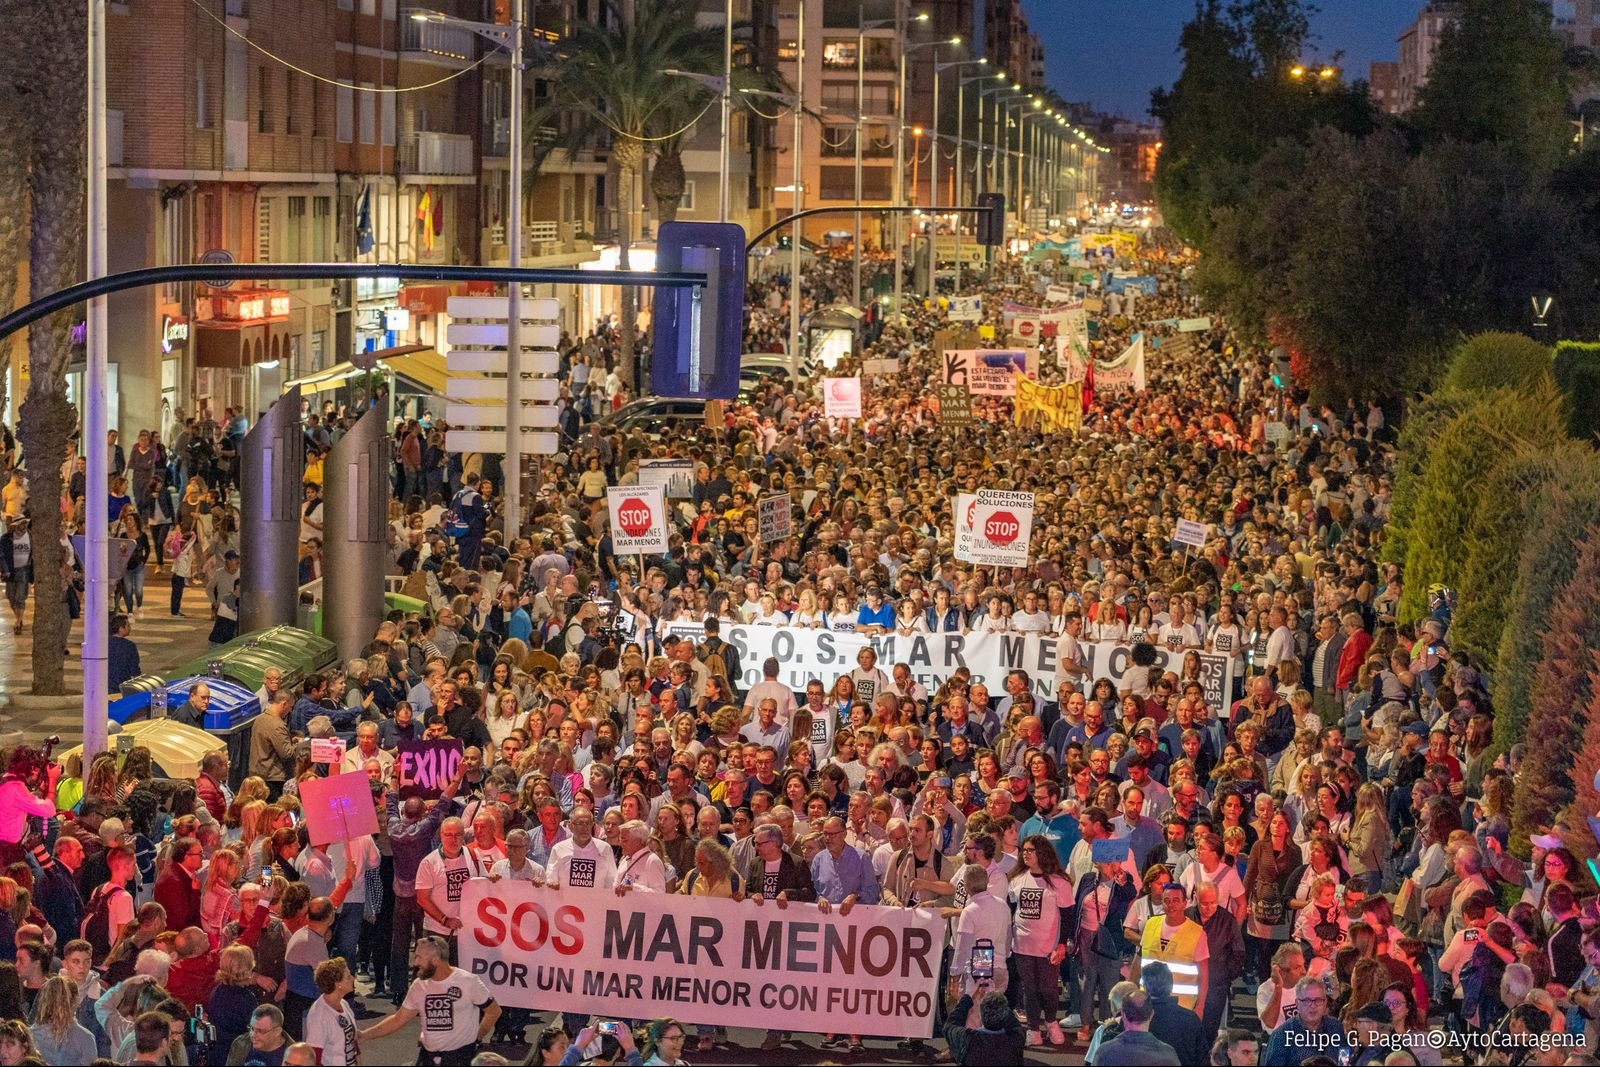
(241, 345)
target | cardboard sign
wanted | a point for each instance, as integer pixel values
(1277, 434)
(426, 767)
(328, 750)
(1194, 325)
(339, 807)
(776, 518)
(1192, 533)
(841, 398)
(880, 368)
(955, 405)
(1109, 850)
(638, 519)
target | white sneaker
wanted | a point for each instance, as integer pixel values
(1074, 1021)
(1053, 1031)
(1034, 1039)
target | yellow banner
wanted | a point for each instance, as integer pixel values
(1050, 408)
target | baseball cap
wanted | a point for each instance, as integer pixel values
(1419, 728)
(1018, 771)
(1376, 1012)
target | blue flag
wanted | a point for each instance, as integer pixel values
(364, 222)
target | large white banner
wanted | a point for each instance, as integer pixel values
(804, 654)
(638, 519)
(703, 959)
(1125, 372)
(993, 528)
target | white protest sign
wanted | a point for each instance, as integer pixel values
(327, 750)
(1058, 294)
(966, 308)
(880, 368)
(1194, 325)
(776, 519)
(1025, 328)
(1192, 533)
(638, 519)
(1124, 372)
(993, 528)
(703, 959)
(1277, 434)
(841, 398)
(675, 475)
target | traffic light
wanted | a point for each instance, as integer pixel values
(1282, 375)
(992, 219)
(699, 335)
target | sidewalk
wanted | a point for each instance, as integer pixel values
(163, 642)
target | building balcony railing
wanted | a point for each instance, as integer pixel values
(424, 152)
(540, 237)
(438, 40)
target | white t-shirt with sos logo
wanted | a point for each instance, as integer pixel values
(450, 1009)
(1036, 923)
(592, 866)
(444, 880)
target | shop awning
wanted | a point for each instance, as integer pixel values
(418, 367)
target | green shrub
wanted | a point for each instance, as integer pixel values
(1423, 421)
(1557, 522)
(1493, 360)
(1465, 451)
(1577, 373)
(1560, 697)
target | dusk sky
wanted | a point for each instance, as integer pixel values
(1113, 52)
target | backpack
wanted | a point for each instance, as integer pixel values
(97, 922)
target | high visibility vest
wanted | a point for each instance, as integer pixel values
(1179, 956)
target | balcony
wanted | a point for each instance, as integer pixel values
(437, 154)
(113, 138)
(434, 42)
(540, 238)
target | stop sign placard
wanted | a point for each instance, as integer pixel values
(634, 518)
(638, 518)
(1001, 528)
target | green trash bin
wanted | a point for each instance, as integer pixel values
(247, 658)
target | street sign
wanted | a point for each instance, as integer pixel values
(218, 256)
(478, 388)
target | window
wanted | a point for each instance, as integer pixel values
(321, 248)
(344, 107)
(294, 231)
(263, 100)
(388, 118)
(687, 203)
(838, 183)
(319, 114)
(202, 99)
(369, 115)
(788, 51)
(291, 103)
(347, 5)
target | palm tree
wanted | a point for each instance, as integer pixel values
(609, 78)
(48, 100)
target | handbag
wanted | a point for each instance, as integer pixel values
(1267, 906)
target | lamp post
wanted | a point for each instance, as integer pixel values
(508, 37)
(961, 140)
(727, 108)
(862, 26)
(899, 150)
(97, 459)
(956, 197)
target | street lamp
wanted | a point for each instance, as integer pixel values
(1000, 158)
(955, 200)
(862, 26)
(899, 152)
(509, 37)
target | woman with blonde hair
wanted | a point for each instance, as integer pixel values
(233, 999)
(1368, 840)
(505, 716)
(218, 901)
(249, 827)
(58, 1037)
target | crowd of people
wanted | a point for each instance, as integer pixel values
(1329, 840)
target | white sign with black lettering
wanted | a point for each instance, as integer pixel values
(993, 528)
(776, 518)
(1192, 533)
(802, 654)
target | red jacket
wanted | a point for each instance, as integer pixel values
(1351, 657)
(191, 980)
(175, 890)
(210, 794)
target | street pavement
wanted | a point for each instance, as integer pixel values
(164, 642)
